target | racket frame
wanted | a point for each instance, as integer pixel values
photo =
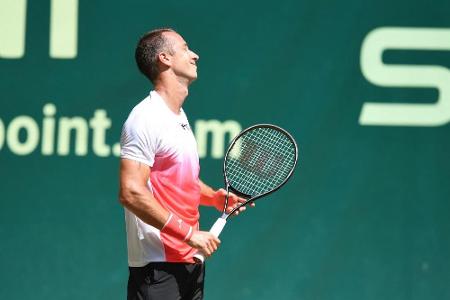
(251, 198)
(220, 223)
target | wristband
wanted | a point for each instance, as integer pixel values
(176, 227)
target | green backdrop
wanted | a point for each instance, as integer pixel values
(366, 215)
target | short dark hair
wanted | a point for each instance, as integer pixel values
(149, 47)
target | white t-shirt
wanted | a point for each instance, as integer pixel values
(162, 140)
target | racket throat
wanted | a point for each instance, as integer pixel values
(226, 201)
(224, 216)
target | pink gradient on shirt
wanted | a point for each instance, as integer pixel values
(175, 184)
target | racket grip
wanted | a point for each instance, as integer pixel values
(216, 229)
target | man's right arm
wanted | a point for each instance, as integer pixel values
(135, 195)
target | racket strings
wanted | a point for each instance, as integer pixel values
(274, 145)
(260, 160)
(261, 174)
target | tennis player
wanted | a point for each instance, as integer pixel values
(159, 178)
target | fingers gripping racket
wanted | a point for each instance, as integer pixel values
(258, 162)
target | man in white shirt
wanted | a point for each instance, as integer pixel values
(159, 178)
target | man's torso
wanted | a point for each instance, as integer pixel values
(163, 140)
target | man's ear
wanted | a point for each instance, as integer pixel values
(164, 59)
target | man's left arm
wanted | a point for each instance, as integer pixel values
(216, 198)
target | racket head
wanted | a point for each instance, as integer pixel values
(259, 161)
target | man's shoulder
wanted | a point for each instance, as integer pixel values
(145, 106)
(145, 112)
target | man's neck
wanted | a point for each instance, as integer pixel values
(173, 93)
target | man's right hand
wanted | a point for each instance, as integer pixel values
(204, 241)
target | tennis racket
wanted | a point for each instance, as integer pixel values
(258, 162)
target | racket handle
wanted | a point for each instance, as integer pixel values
(216, 229)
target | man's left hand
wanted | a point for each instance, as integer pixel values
(233, 202)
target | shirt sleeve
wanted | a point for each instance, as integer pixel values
(138, 142)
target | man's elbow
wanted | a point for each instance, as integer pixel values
(126, 196)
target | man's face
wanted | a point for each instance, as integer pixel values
(183, 60)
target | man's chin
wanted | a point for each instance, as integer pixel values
(192, 78)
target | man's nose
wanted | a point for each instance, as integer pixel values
(195, 56)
